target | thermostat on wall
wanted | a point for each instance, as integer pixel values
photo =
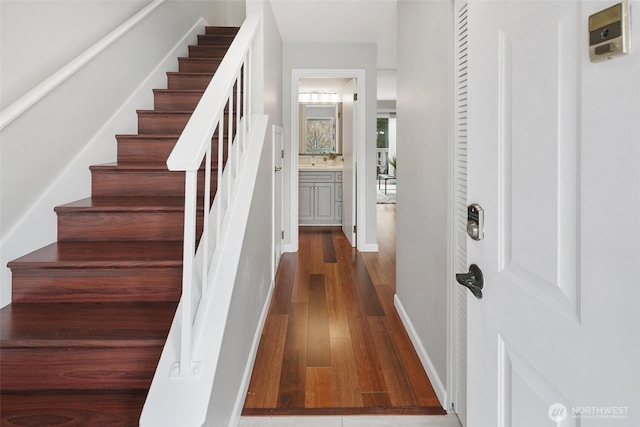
(609, 32)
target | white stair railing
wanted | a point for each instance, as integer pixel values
(177, 381)
(229, 88)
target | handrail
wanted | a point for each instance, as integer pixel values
(29, 99)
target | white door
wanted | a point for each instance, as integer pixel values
(349, 168)
(554, 155)
(278, 191)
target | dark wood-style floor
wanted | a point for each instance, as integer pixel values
(333, 343)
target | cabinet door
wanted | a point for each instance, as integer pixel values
(324, 201)
(305, 202)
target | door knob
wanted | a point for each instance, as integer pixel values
(472, 280)
(278, 169)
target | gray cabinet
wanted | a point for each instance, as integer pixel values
(320, 197)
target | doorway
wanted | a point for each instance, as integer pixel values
(353, 178)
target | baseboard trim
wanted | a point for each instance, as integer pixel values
(368, 247)
(436, 382)
(246, 378)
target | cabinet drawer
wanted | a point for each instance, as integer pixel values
(320, 176)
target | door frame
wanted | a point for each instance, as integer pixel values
(358, 200)
(277, 134)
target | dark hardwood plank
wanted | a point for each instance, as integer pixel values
(338, 322)
(291, 393)
(281, 300)
(395, 376)
(365, 289)
(318, 388)
(369, 370)
(328, 249)
(376, 400)
(263, 388)
(346, 386)
(318, 352)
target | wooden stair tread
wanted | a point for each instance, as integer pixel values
(85, 324)
(100, 254)
(141, 167)
(116, 204)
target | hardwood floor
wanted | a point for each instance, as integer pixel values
(333, 343)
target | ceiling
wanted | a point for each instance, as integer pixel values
(344, 21)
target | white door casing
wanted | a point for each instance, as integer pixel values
(349, 150)
(358, 200)
(553, 160)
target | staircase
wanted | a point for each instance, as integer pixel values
(90, 313)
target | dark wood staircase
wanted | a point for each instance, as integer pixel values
(90, 313)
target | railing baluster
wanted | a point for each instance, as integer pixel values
(204, 241)
(239, 111)
(219, 183)
(190, 196)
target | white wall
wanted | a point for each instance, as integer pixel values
(423, 134)
(336, 56)
(46, 151)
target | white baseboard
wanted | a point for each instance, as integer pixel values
(436, 382)
(368, 247)
(246, 378)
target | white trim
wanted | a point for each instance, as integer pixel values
(246, 378)
(28, 100)
(436, 382)
(359, 75)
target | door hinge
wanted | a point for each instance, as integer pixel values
(355, 96)
(355, 228)
(282, 234)
(282, 154)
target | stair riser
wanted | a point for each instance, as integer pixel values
(212, 52)
(132, 184)
(151, 151)
(164, 122)
(52, 409)
(180, 101)
(209, 40)
(221, 31)
(168, 122)
(188, 81)
(73, 368)
(120, 226)
(100, 285)
(189, 65)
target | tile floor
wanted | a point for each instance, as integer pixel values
(352, 421)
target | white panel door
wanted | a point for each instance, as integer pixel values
(349, 168)
(554, 148)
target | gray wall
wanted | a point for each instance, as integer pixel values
(336, 56)
(423, 133)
